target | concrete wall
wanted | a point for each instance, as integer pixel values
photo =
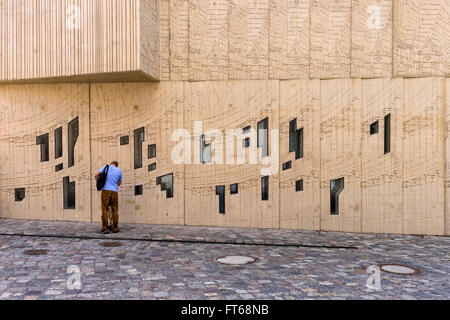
(301, 39)
(79, 40)
(402, 191)
(338, 68)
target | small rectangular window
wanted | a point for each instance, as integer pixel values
(387, 133)
(263, 136)
(374, 128)
(246, 141)
(336, 186)
(166, 183)
(44, 143)
(68, 193)
(152, 167)
(138, 190)
(287, 165)
(59, 167)
(220, 191)
(295, 139)
(58, 143)
(299, 185)
(265, 188)
(72, 136)
(205, 150)
(293, 135)
(234, 188)
(19, 194)
(124, 140)
(299, 149)
(139, 137)
(152, 151)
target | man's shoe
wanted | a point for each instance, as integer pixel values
(116, 231)
(103, 231)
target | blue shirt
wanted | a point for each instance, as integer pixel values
(113, 178)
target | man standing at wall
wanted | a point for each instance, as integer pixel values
(110, 196)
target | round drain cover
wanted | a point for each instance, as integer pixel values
(236, 260)
(399, 269)
(111, 244)
(35, 252)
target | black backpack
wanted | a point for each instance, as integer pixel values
(102, 178)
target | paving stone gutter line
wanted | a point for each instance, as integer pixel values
(245, 242)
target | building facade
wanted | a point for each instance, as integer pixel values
(295, 114)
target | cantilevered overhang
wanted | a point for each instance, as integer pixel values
(79, 40)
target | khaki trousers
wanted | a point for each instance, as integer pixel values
(110, 199)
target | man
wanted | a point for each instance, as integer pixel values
(110, 196)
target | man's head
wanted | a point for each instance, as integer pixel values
(115, 164)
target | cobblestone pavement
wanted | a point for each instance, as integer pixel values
(172, 262)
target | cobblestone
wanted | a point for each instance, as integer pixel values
(142, 269)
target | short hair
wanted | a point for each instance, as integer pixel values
(115, 163)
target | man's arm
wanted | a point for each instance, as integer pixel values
(120, 180)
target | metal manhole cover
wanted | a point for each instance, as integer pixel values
(35, 252)
(236, 260)
(399, 269)
(111, 244)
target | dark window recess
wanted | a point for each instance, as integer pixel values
(152, 167)
(374, 128)
(299, 150)
(139, 137)
(387, 133)
(138, 190)
(72, 137)
(43, 142)
(124, 140)
(59, 167)
(246, 141)
(263, 136)
(299, 185)
(287, 165)
(152, 151)
(265, 188)
(292, 135)
(234, 188)
(205, 150)
(220, 191)
(68, 193)
(166, 183)
(336, 186)
(19, 194)
(58, 143)
(295, 139)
